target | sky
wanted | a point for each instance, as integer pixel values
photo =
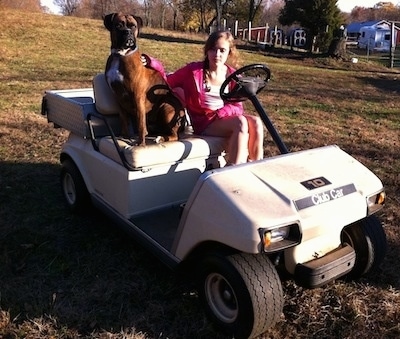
(344, 5)
(50, 5)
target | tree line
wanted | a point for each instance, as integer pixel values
(322, 18)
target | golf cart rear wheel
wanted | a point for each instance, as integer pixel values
(242, 293)
(73, 187)
(368, 239)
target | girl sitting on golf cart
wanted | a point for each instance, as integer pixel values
(210, 115)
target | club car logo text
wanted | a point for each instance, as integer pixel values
(326, 196)
(323, 197)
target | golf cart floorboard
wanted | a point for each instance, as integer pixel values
(160, 225)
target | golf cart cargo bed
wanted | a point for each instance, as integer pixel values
(69, 109)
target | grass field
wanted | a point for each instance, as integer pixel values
(67, 276)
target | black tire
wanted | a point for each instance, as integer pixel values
(368, 239)
(73, 186)
(242, 293)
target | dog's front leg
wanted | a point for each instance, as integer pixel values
(141, 121)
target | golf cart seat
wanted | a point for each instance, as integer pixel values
(189, 146)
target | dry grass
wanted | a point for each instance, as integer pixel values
(66, 276)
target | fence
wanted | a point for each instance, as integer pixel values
(297, 38)
(384, 58)
(272, 36)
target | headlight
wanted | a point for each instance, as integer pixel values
(277, 239)
(375, 202)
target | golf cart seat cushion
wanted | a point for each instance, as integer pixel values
(105, 101)
(189, 145)
(153, 154)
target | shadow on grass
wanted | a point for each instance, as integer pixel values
(383, 83)
(165, 38)
(83, 271)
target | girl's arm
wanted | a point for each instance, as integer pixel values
(230, 109)
(177, 78)
(153, 63)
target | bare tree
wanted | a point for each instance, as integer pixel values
(175, 7)
(243, 10)
(159, 9)
(68, 7)
(31, 5)
(271, 10)
(98, 8)
(196, 13)
(380, 11)
(147, 12)
(200, 15)
(218, 8)
(254, 7)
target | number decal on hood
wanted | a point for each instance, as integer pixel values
(315, 183)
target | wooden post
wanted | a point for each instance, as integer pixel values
(249, 26)
(266, 32)
(392, 44)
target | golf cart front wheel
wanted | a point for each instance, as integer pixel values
(73, 187)
(368, 239)
(242, 293)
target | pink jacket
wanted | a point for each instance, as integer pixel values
(190, 79)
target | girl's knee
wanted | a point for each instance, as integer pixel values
(255, 123)
(240, 124)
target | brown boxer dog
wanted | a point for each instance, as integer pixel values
(142, 93)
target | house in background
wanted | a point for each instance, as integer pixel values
(374, 35)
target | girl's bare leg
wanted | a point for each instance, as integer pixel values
(256, 137)
(237, 130)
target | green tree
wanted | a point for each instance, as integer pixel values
(321, 18)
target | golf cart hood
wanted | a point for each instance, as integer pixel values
(310, 178)
(313, 188)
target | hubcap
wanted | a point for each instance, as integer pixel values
(221, 298)
(69, 189)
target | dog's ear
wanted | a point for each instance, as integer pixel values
(108, 19)
(139, 21)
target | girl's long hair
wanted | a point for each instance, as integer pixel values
(233, 58)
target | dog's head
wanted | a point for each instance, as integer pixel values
(124, 30)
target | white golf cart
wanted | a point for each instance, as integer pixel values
(308, 213)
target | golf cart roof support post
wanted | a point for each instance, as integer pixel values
(268, 124)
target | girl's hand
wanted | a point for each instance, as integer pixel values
(145, 60)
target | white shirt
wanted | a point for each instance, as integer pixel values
(212, 99)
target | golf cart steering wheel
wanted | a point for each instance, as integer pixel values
(248, 81)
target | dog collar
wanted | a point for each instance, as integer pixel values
(123, 52)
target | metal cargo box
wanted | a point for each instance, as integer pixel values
(69, 109)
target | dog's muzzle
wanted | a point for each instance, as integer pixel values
(127, 39)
